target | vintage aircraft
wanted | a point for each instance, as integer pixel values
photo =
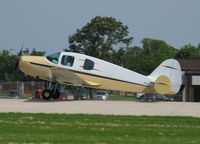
(82, 70)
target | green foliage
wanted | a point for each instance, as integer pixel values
(119, 57)
(146, 58)
(106, 38)
(99, 37)
(34, 52)
(189, 52)
(133, 58)
(19, 128)
(8, 62)
(154, 52)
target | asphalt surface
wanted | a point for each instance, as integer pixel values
(101, 107)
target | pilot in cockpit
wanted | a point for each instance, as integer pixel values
(67, 60)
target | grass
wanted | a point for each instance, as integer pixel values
(17, 128)
(121, 98)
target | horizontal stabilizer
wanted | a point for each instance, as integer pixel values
(162, 84)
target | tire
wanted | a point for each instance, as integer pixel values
(46, 94)
(55, 95)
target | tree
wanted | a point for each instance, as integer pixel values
(8, 61)
(7, 64)
(154, 52)
(34, 52)
(119, 57)
(37, 53)
(100, 37)
(134, 56)
(188, 52)
(146, 58)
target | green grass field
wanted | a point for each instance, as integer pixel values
(17, 128)
(121, 98)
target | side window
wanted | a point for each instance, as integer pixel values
(67, 60)
(88, 64)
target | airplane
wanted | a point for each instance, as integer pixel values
(77, 69)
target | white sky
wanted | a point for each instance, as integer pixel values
(46, 24)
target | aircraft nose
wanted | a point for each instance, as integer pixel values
(27, 60)
(23, 63)
(35, 66)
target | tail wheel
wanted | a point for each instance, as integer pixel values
(55, 94)
(46, 94)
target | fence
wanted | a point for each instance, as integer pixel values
(29, 88)
(25, 88)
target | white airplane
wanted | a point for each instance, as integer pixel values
(82, 70)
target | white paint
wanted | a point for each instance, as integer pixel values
(195, 80)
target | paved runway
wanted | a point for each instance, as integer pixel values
(101, 107)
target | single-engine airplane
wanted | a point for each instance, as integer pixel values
(82, 70)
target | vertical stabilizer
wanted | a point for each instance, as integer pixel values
(167, 77)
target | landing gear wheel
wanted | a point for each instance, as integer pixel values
(46, 94)
(55, 94)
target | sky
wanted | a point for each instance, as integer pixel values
(46, 24)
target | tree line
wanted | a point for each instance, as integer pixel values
(108, 39)
(8, 59)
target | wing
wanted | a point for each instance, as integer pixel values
(69, 77)
(91, 84)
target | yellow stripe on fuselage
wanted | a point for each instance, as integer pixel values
(112, 84)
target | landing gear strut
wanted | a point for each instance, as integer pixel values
(55, 94)
(51, 92)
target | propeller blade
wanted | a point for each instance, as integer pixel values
(19, 56)
(21, 50)
(16, 65)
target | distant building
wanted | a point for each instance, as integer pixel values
(191, 79)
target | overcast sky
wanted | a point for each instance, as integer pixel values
(46, 24)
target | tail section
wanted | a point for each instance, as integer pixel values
(167, 77)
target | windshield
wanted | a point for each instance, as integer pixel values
(53, 58)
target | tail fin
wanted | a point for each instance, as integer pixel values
(167, 77)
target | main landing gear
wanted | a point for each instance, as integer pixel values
(51, 92)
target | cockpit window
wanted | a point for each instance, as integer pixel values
(67, 60)
(88, 64)
(53, 58)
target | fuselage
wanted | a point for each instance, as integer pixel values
(87, 71)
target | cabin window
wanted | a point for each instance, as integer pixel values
(53, 58)
(88, 64)
(67, 60)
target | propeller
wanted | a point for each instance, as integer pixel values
(19, 57)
